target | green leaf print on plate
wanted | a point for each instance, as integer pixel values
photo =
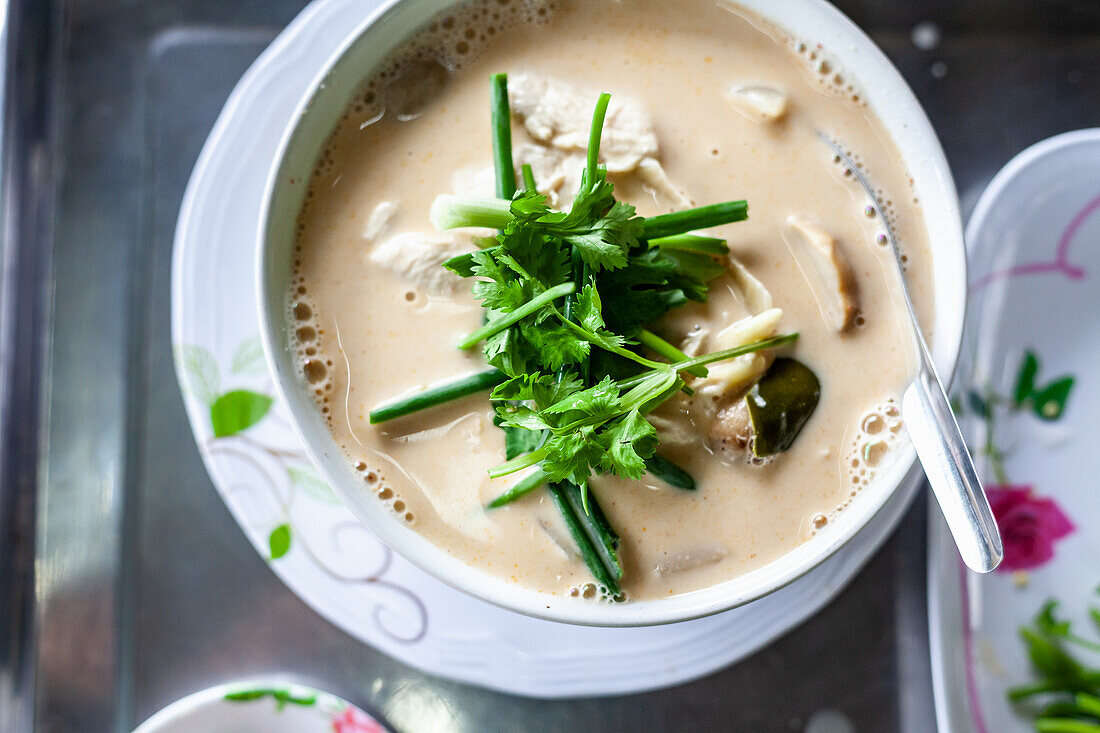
(238, 410)
(249, 358)
(1047, 402)
(200, 370)
(310, 482)
(279, 541)
(282, 697)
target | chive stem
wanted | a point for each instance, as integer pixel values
(1088, 703)
(588, 552)
(680, 222)
(437, 394)
(692, 243)
(736, 351)
(499, 324)
(632, 382)
(658, 345)
(502, 138)
(1022, 692)
(596, 340)
(594, 523)
(519, 463)
(661, 468)
(528, 178)
(449, 211)
(594, 135)
(524, 486)
(1065, 725)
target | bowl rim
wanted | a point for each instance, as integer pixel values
(794, 563)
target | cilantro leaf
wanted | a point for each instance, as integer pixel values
(588, 310)
(572, 455)
(557, 346)
(505, 296)
(627, 443)
(600, 401)
(518, 441)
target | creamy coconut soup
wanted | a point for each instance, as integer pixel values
(708, 104)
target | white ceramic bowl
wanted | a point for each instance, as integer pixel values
(813, 21)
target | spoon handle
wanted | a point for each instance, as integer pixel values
(950, 470)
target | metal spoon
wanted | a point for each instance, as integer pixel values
(935, 433)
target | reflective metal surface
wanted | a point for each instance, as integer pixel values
(147, 590)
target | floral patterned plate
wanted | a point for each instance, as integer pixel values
(261, 706)
(1026, 395)
(313, 543)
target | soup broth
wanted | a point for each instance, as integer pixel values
(709, 103)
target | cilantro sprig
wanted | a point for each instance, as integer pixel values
(569, 297)
(1066, 696)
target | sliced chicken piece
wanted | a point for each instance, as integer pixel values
(419, 258)
(379, 220)
(561, 115)
(755, 296)
(825, 269)
(758, 103)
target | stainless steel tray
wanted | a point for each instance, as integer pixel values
(125, 584)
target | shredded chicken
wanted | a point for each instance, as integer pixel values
(379, 220)
(747, 330)
(758, 103)
(825, 269)
(720, 393)
(474, 181)
(673, 432)
(731, 377)
(557, 173)
(754, 295)
(692, 345)
(558, 114)
(418, 257)
(654, 178)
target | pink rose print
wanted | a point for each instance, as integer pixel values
(354, 720)
(1029, 526)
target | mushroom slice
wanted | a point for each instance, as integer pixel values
(758, 103)
(419, 257)
(757, 298)
(678, 562)
(826, 270)
(730, 432)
